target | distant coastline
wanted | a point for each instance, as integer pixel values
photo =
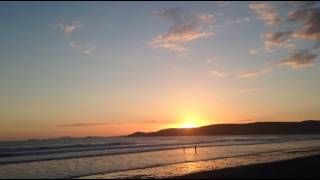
(257, 128)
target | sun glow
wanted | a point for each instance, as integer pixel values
(188, 125)
(191, 120)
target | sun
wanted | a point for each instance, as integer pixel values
(191, 120)
(188, 125)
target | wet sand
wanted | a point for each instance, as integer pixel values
(305, 167)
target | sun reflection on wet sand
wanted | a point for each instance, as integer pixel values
(198, 166)
(190, 154)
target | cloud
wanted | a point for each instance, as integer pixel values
(300, 59)
(209, 61)
(249, 74)
(157, 121)
(302, 24)
(75, 45)
(223, 3)
(266, 12)
(81, 48)
(274, 40)
(171, 14)
(203, 19)
(177, 36)
(177, 16)
(83, 124)
(303, 4)
(159, 43)
(253, 51)
(212, 60)
(238, 21)
(184, 28)
(310, 28)
(217, 74)
(88, 50)
(69, 28)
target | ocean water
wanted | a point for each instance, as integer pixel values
(124, 157)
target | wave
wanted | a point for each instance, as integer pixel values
(43, 153)
(41, 150)
(78, 164)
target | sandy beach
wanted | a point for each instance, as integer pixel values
(305, 167)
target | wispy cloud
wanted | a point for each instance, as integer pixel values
(209, 61)
(266, 12)
(303, 4)
(300, 59)
(83, 49)
(273, 40)
(310, 28)
(223, 3)
(302, 24)
(157, 121)
(69, 28)
(238, 21)
(89, 49)
(253, 51)
(249, 74)
(217, 74)
(82, 124)
(184, 28)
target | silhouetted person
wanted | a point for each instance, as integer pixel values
(195, 149)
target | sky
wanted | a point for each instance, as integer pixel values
(114, 68)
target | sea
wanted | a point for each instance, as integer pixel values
(145, 157)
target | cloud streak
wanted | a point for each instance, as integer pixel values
(83, 49)
(217, 74)
(184, 28)
(223, 3)
(310, 28)
(274, 40)
(238, 21)
(249, 74)
(266, 12)
(69, 28)
(302, 24)
(253, 51)
(82, 124)
(300, 59)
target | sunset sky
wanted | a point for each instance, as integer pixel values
(113, 68)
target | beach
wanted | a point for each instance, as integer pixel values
(147, 157)
(304, 167)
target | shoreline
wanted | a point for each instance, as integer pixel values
(162, 164)
(136, 152)
(205, 168)
(301, 167)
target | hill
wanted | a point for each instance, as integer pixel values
(257, 128)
